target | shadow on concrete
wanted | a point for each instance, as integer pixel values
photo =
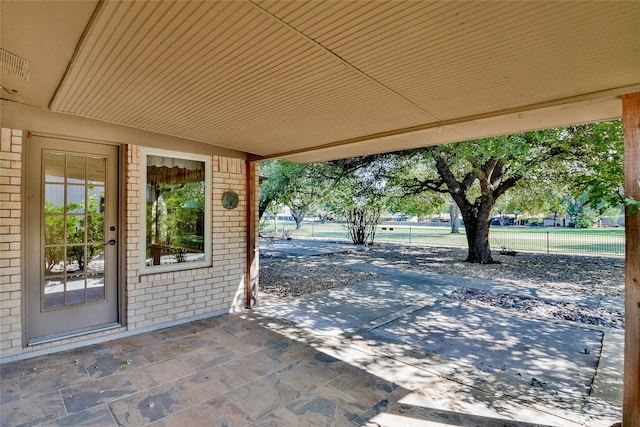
(501, 360)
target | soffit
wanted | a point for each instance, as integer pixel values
(224, 72)
(45, 34)
(461, 59)
(274, 77)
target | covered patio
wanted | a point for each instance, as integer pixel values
(228, 84)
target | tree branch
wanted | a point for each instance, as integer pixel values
(454, 188)
(421, 186)
(468, 181)
(505, 185)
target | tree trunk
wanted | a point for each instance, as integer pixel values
(298, 216)
(478, 241)
(454, 214)
(263, 204)
(477, 221)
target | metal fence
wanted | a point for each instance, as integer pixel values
(550, 241)
(592, 243)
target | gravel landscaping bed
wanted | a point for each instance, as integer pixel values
(581, 274)
(295, 277)
(540, 307)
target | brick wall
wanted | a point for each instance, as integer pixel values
(10, 241)
(157, 298)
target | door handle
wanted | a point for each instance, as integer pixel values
(111, 242)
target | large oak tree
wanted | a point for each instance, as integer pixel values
(477, 173)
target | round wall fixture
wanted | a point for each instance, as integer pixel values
(230, 200)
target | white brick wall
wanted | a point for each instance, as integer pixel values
(168, 297)
(150, 299)
(10, 241)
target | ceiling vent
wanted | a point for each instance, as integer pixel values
(14, 65)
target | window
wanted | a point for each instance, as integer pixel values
(176, 217)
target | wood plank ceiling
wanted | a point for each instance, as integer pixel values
(274, 77)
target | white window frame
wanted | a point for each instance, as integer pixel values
(151, 269)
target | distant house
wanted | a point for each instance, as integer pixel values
(617, 221)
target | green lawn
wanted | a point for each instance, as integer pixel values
(596, 241)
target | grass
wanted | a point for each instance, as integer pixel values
(596, 241)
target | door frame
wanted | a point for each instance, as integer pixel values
(120, 194)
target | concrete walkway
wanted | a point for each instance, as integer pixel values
(557, 367)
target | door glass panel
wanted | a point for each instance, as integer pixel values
(54, 167)
(53, 198)
(75, 198)
(54, 292)
(95, 287)
(54, 260)
(96, 199)
(96, 258)
(95, 228)
(54, 229)
(96, 170)
(75, 169)
(75, 290)
(75, 229)
(75, 258)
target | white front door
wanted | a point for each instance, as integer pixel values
(72, 220)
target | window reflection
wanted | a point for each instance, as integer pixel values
(54, 259)
(175, 210)
(95, 228)
(54, 230)
(75, 290)
(95, 287)
(96, 199)
(73, 228)
(54, 165)
(96, 169)
(75, 198)
(53, 198)
(75, 258)
(54, 292)
(96, 258)
(76, 169)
